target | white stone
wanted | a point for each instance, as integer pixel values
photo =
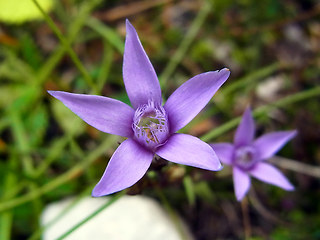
(269, 89)
(129, 218)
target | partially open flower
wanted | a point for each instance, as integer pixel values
(149, 126)
(247, 156)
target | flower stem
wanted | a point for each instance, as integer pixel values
(246, 218)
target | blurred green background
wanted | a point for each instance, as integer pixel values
(47, 153)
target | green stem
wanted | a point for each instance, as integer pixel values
(95, 213)
(248, 79)
(21, 140)
(55, 151)
(189, 189)
(300, 96)
(10, 180)
(105, 65)
(185, 44)
(4, 123)
(69, 175)
(75, 27)
(107, 33)
(67, 46)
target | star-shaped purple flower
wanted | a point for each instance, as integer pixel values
(247, 156)
(149, 126)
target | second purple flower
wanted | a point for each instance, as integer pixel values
(149, 126)
(247, 156)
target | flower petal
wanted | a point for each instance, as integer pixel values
(188, 150)
(246, 129)
(139, 77)
(127, 165)
(192, 96)
(269, 174)
(241, 182)
(224, 152)
(105, 114)
(268, 144)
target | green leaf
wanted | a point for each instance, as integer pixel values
(20, 11)
(189, 188)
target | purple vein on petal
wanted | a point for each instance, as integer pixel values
(139, 76)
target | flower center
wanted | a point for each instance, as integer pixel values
(150, 125)
(245, 157)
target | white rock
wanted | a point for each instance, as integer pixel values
(129, 218)
(269, 89)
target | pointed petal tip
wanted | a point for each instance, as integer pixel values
(97, 192)
(290, 188)
(140, 79)
(55, 94)
(245, 131)
(269, 174)
(217, 168)
(269, 144)
(240, 198)
(129, 27)
(214, 167)
(241, 182)
(225, 70)
(128, 165)
(248, 109)
(192, 96)
(51, 92)
(128, 23)
(294, 133)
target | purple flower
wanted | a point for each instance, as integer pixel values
(247, 156)
(149, 126)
